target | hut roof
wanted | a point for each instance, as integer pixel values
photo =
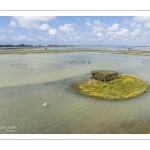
(104, 72)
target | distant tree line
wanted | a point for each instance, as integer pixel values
(20, 45)
(23, 45)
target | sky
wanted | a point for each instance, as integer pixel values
(75, 30)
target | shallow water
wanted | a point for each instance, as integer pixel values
(27, 81)
(80, 47)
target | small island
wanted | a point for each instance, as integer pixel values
(110, 85)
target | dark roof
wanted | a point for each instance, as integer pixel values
(104, 72)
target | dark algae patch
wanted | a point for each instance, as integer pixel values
(125, 87)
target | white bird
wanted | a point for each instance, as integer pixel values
(45, 104)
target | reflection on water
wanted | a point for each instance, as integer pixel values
(23, 92)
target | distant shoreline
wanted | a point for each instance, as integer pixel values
(125, 52)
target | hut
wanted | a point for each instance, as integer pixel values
(104, 75)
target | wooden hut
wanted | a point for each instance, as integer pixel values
(104, 75)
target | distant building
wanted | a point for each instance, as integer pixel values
(104, 75)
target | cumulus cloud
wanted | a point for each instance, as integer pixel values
(97, 22)
(134, 25)
(111, 39)
(2, 30)
(141, 18)
(147, 24)
(66, 27)
(19, 38)
(31, 39)
(41, 38)
(52, 31)
(138, 26)
(59, 36)
(135, 33)
(78, 37)
(97, 29)
(99, 34)
(91, 39)
(44, 26)
(114, 27)
(71, 39)
(88, 23)
(13, 23)
(30, 21)
(126, 21)
(2, 37)
(110, 33)
(122, 32)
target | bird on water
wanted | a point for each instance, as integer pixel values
(45, 104)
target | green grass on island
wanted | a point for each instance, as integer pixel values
(124, 52)
(125, 87)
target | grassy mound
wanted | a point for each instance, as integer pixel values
(125, 87)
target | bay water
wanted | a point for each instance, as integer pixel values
(28, 81)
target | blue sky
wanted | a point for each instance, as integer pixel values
(75, 30)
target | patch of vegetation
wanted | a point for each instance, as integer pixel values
(124, 52)
(34, 51)
(125, 87)
(13, 52)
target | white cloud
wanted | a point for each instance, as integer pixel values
(97, 29)
(88, 23)
(122, 32)
(71, 39)
(114, 27)
(78, 37)
(44, 26)
(13, 23)
(134, 25)
(99, 39)
(2, 37)
(41, 38)
(31, 21)
(99, 34)
(147, 24)
(59, 36)
(97, 22)
(111, 39)
(66, 27)
(142, 18)
(31, 39)
(110, 33)
(2, 30)
(19, 38)
(138, 26)
(52, 31)
(135, 33)
(91, 39)
(126, 21)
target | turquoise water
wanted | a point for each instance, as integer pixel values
(27, 81)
